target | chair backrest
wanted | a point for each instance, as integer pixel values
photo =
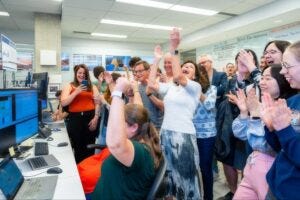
(158, 179)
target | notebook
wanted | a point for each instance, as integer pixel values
(41, 162)
(14, 186)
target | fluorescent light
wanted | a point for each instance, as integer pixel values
(192, 10)
(108, 35)
(58, 0)
(4, 13)
(154, 4)
(133, 24)
(168, 6)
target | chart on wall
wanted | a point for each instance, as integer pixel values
(88, 59)
(9, 54)
(116, 63)
(289, 32)
(225, 52)
(65, 62)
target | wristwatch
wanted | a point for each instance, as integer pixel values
(175, 52)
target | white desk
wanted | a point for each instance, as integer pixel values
(68, 184)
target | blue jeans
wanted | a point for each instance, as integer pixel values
(206, 150)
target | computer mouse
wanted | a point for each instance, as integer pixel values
(54, 170)
(62, 144)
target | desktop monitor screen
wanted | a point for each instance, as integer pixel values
(40, 80)
(20, 117)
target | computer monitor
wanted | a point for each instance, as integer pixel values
(18, 117)
(40, 81)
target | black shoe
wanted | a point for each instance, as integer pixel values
(228, 196)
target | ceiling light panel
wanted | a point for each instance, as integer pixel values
(108, 35)
(4, 13)
(134, 24)
(147, 3)
(192, 10)
(168, 6)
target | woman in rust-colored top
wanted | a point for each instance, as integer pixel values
(83, 112)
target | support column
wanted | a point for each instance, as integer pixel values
(47, 36)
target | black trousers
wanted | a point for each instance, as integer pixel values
(80, 134)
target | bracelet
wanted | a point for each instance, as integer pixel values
(150, 94)
(118, 94)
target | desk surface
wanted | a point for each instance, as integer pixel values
(68, 185)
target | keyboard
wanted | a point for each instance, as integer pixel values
(41, 148)
(38, 162)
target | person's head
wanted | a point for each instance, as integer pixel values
(81, 72)
(274, 83)
(206, 61)
(141, 71)
(291, 65)
(243, 69)
(97, 71)
(262, 63)
(107, 94)
(230, 69)
(140, 128)
(274, 50)
(203, 79)
(58, 94)
(168, 64)
(190, 70)
(133, 60)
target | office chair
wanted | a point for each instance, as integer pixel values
(157, 188)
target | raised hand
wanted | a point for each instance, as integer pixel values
(240, 100)
(122, 84)
(158, 54)
(253, 103)
(265, 110)
(281, 115)
(174, 39)
(246, 58)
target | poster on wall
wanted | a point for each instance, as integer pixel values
(88, 59)
(65, 62)
(9, 54)
(148, 59)
(24, 60)
(116, 63)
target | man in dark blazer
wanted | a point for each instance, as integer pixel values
(218, 79)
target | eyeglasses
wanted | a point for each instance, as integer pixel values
(272, 52)
(139, 71)
(286, 65)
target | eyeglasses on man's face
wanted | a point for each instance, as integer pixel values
(271, 52)
(286, 65)
(138, 71)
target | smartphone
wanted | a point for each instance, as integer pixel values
(84, 82)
